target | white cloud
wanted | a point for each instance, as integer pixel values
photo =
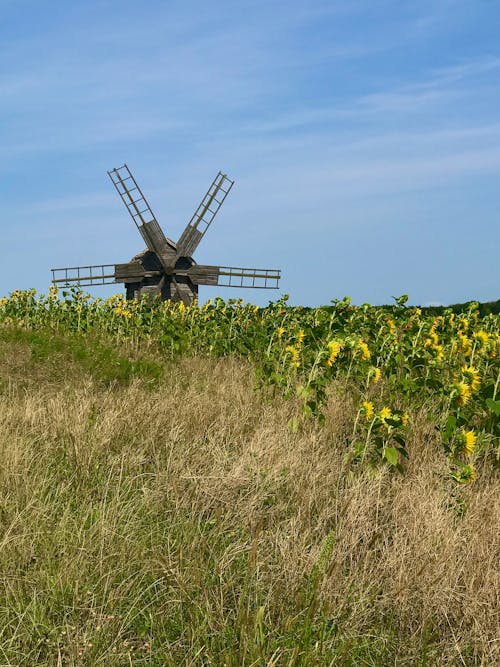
(341, 132)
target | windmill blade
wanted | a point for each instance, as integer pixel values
(101, 274)
(142, 215)
(183, 292)
(133, 272)
(231, 276)
(204, 215)
(97, 274)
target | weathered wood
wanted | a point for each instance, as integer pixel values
(130, 272)
(230, 276)
(96, 274)
(142, 215)
(166, 270)
(204, 215)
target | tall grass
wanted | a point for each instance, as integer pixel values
(160, 513)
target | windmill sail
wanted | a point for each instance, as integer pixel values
(132, 272)
(102, 274)
(204, 215)
(167, 270)
(97, 274)
(182, 291)
(142, 215)
(231, 276)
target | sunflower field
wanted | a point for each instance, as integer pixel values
(393, 361)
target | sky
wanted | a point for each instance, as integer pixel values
(363, 138)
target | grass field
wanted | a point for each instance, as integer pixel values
(237, 486)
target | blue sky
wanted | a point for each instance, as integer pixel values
(364, 138)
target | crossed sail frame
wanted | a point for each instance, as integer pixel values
(167, 269)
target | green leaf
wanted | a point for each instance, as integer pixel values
(358, 448)
(449, 428)
(304, 391)
(401, 300)
(494, 406)
(399, 439)
(306, 411)
(404, 452)
(392, 455)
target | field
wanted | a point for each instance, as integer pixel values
(232, 485)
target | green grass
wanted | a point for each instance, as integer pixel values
(150, 514)
(91, 354)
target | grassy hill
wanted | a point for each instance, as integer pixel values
(164, 513)
(484, 308)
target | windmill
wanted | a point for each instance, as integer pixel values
(166, 269)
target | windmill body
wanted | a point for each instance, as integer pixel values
(165, 269)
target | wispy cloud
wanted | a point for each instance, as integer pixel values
(331, 114)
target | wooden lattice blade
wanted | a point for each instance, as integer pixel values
(204, 215)
(183, 291)
(102, 274)
(133, 272)
(231, 276)
(142, 215)
(96, 274)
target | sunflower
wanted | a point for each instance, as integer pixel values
(384, 414)
(334, 348)
(471, 377)
(365, 352)
(465, 344)
(367, 408)
(438, 349)
(482, 337)
(469, 439)
(294, 355)
(463, 392)
(433, 339)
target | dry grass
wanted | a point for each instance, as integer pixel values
(181, 522)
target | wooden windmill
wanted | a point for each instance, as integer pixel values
(167, 269)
